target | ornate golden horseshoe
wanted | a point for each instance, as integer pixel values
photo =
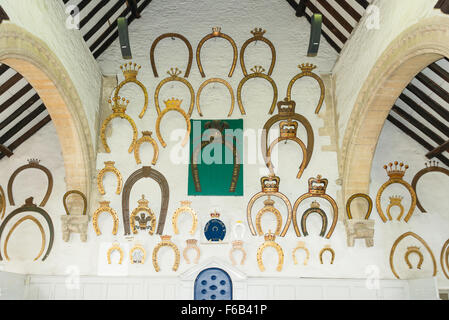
(395, 202)
(288, 113)
(115, 246)
(5, 246)
(269, 207)
(301, 245)
(171, 35)
(257, 36)
(131, 77)
(104, 207)
(27, 207)
(2, 202)
(306, 69)
(432, 166)
(146, 137)
(216, 32)
(359, 195)
(258, 72)
(327, 248)
(139, 247)
(414, 235)
(317, 188)
(32, 163)
(109, 167)
(442, 258)
(185, 207)
(172, 105)
(395, 175)
(237, 245)
(64, 200)
(191, 244)
(314, 207)
(165, 242)
(288, 134)
(270, 187)
(143, 207)
(269, 242)
(414, 250)
(212, 80)
(119, 110)
(174, 76)
(235, 154)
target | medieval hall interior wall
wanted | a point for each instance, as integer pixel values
(290, 36)
(33, 16)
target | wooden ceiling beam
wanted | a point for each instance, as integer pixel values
(5, 151)
(443, 5)
(103, 19)
(14, 115)
(432, 85)
(336, 15)
(363, 3)
(16, 96)
(328, 23)
(301, 8)
(10, 82)
(438, 150)
(439, 71)
(443, 112)
(350, 10)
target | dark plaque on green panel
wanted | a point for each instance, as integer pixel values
(216, 158)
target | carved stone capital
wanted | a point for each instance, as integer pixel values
(359, 229)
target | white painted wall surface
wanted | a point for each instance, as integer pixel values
(47, 20)
(290, 36)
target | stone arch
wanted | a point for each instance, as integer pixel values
(413, 50)
(34, 60)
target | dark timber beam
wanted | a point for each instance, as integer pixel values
(443, 112)
(301, 8)
(337, 16)
(432, 85)
(5, 151)
(349, 9)
(443, 5)
(438, 150)
(16, 96)
(3, 15)
(328, 23)
(10, 82)
(439, 71)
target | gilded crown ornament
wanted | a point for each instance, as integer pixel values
(104, 207)
(395, 172)
(215, 215)
(270, 188)
(288, 129)
(130, 70)
(185, 207)
(306, 71)
(317, 188)
(147, 218)
(109, 167)
(268, 207)
(410, 250)
(270, 242)
(32, 164)
(257, 72)
(216, 32)
(166, 242)
(171, 35)
(431, 166)
(395, 201)
(119, 106)
(258, 35)
(28, 207)
(286, 107)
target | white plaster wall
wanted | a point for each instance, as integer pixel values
(357, 60)
(46, 19)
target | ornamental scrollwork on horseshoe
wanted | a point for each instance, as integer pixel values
(216, 33)
(359, 195)
(174, 76)
(118, 111)
(314, 207)
(286, 111)
(216, 80)
(270, 242)
(166, 242)
(431, 166)
(287, 132)
(41, 229)
(185, 207)
(145, 221)
(115, 247)
(146, 137)
(104, 207)
(327, 248)
(130, 74)
(145, 172)
(109, 167)
(258, 35)
(32, 164)
(270, 187)
(258, 72)
(396, 174)
(301, 246)
(171, 35)
(398, 240)
(172, 105)
(317, 188)
(192, 244)
(306, 69)
(29, 206)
